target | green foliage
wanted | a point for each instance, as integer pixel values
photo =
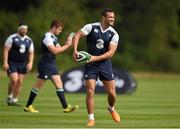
(149, 29)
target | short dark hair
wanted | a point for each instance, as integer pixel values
(22, 23)
(104, 12)
(57, 23)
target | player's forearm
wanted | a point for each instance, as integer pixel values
(104, 56)
(75, 41)
(31, 57)
(63, 48)
(5, 55)
(107, 55)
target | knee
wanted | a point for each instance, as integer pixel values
(14, 82)
(19, 83)
(90, 92)
(112, 93)
(38, 85)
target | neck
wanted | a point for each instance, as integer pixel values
(103, 25)
(51, 31)
(21, 35)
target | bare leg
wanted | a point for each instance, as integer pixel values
(90, 85)
(18, 85)
(59, 90)
(34, 92)
(56, 79)
(11, 86)
(39, 83)
(13, 81)
(110, 89)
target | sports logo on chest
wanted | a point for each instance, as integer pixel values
(16, 39)
(95, 31)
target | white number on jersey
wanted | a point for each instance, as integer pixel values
(22, 48)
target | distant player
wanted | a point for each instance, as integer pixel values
(102, 42)
(18, 55)
(47, 68)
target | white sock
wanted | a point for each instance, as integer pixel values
(10, 96)
(14, 100)
(91, 116)
(111, 108)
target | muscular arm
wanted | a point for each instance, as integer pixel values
(75, 42)
(5, 57)
(111, 50)
(31, 59)
(58, 49)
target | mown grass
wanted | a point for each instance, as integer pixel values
(155, 104)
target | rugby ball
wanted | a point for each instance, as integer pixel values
(83, 57)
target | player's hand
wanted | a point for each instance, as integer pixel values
(69, 39)
(71, 35)
(5, 66)
(58, 45)
(92, 59)
(75, 55)
(29, 67)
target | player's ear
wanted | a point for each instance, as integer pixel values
(103, 18)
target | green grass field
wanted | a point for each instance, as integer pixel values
(155, 104)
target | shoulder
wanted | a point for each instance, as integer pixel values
(88, 27)
(48, 39)
(115, 38)
(92, 24)
(10, 39)
(96, 24)
(48, 35)
(13, 35)
(113, 30)
(28, 38)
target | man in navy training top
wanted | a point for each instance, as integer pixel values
(47, 68)
(102, 42)
(18, 56)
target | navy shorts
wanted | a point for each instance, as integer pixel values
(46, 70)
(17, 67)
(102, 70)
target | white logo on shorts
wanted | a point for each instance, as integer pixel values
(112, 75)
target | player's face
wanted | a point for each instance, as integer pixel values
(23, 32)
(58, 30)
(109, 18)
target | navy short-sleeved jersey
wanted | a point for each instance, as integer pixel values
(98, 40)
(49, 39)
(46, 65)
(19, 47)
